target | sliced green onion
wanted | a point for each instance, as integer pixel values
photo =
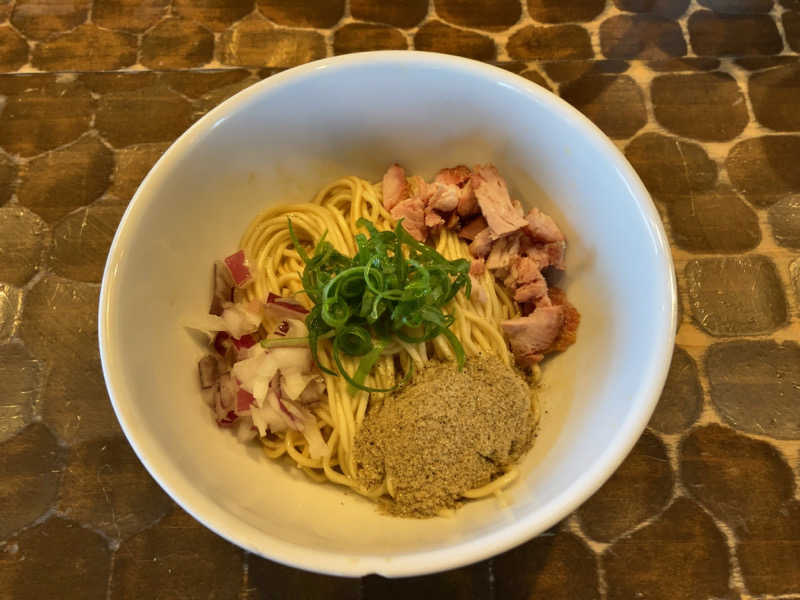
(394, 287)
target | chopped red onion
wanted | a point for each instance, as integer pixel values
(246, 341)
(244, 400)
(209, 371)
(239, 269)
(279, 309)
(223, 288)
(228, 420)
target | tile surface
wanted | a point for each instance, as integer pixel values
(702, 97)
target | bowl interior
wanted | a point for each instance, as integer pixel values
(280, 141)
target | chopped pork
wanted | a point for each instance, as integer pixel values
(515, 247)
(477, 267)
(473, 228)
(412, 211)
(495, 203)
(503, 252)
(527, 280)
(467, 204)
(453, 175)
(531, 336)
(444, 197)
(482, 244)
(542, 228)
(433, 219)
(395, 186)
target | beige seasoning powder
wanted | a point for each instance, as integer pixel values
(445, 433)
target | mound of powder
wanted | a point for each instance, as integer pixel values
(446, 432)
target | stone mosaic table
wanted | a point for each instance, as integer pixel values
(702, 96)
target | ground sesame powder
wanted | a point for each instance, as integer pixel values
(445, 433)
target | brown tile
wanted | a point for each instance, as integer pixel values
(641, 36)
(512, 66)
(177, 558)
(569, 11)
(554, 42)
(406, 13)
(86, 48)
(640, 488)
(57, 183)
(137, 108)
(756, 63)
(39, 19)
(24, 236)
(568, 70)
(31, 463)
(214, 14)
(717, 220)
(680, 556)
(195, 84)
(763, 169)
(436, 36)
(254, 42)
(784, 219)
(106, 487)
(685, 64)
(794, 275)
(470, 582)
(791, 28)
(755, 386)
(8, 178)
(210, 99)
(105, 83)
(21, 379)
(13, 49)
(130, 167)
(59, 320)
(10, 304)
(59, 325)
(358, 37)
(81, 242)
(557, 565)
(177, 44)
(269, 580)
(790, 4)
(491, 15)
(682, 398)
(737, 7)
(42, 112)
(75, 403)
(705, 106)
(744, 482)
(666, 8)
(5, 9)
(613, 102)
(317, 13)
(712, 34)
(128, 15)
(769, 564)
(670, 168)
(53, 557)
(774, 94)
(537, 78)
(718, 304)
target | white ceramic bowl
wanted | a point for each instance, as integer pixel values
(281, 140)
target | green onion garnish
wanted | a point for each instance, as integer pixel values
(393, 288)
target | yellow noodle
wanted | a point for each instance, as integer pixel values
(277, 268)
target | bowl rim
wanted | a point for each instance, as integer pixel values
(465, 552)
